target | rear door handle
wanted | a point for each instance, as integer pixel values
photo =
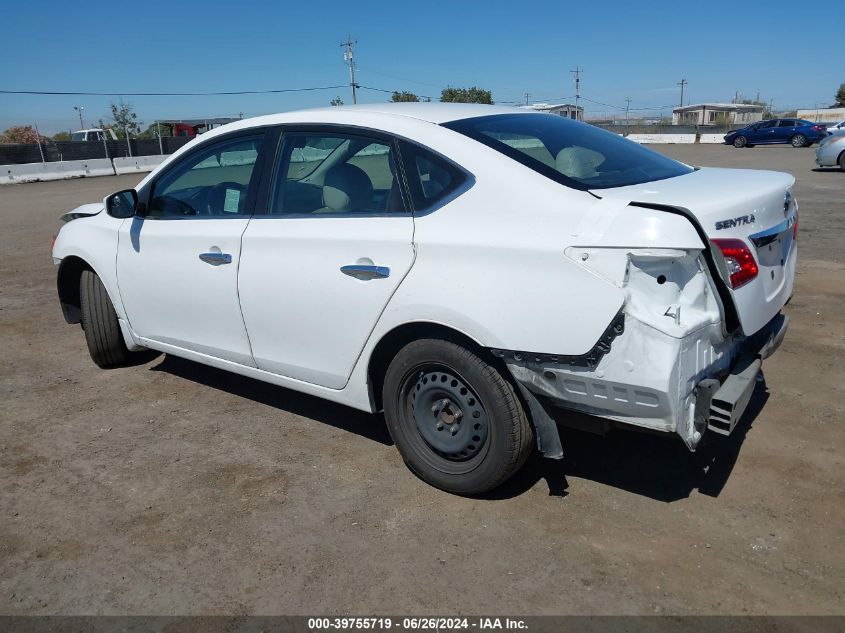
(365, 272)
(216, 259)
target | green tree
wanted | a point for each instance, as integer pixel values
(397, 97)
(61, 136)
(123, 118)
(337, 101)
(466, 95)
(840, 97)
(153, 131)
(21, 134)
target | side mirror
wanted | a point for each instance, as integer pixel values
(122, 204)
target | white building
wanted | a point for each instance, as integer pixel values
(561, 109)
(717, 113)
(823, 115)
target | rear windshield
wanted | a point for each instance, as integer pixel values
(575, 154)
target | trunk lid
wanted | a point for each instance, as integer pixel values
(750, 205)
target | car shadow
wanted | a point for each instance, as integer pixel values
(656, 466)
(651, 465)
(827, 170)
(336, 415)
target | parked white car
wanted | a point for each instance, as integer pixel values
(831, 152)
(835, 129)
(473, 271)
(95, 134)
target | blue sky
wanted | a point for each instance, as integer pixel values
(507, 47)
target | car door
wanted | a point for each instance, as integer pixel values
(319, 266)
(177, 262)
(784, 130)
(764, 132)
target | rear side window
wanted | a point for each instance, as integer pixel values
(335, 173)
(575, 154)
(787, 123)
(431, 178)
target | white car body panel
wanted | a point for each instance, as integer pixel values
(518, 263)
(290, 275)
(177, 299)
(829, 151)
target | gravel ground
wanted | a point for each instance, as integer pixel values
(173, 488)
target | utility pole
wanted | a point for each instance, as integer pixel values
(577, 72)
(627, 105)
(682, 83)
(527, 97)
(349, 59)
(79, 109)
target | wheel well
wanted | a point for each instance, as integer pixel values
(396, 339)
(70, 272)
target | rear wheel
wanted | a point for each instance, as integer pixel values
(456, 421)
(842, 161)
(740, 141)
(99, 321)
(799, 140)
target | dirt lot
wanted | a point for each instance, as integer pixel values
(170, 487)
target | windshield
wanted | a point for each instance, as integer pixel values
(575, 154)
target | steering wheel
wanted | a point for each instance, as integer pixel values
(215, 202)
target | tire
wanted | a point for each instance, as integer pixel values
(740, 141)
(799, 140)
(457, 422)
(99, 321)
(841, 161)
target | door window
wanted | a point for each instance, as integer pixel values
(335, 173)
(215, 181)
(786, 123)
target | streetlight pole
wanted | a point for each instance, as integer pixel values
(79, 110)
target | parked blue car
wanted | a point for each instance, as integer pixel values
(796, 132)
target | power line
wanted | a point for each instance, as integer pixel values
(164, 94)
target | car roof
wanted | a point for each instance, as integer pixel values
(429, 112)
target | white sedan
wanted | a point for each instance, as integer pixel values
(476, 272)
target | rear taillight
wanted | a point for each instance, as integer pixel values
(795, 226)
(818, 128)
(740, 262)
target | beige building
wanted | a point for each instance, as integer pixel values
(562, 109)
(717, 114)
(823, 115)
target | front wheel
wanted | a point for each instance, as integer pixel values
(457, 422)
(799, 140)
(842, 161)
(740, 141)
(99, 321)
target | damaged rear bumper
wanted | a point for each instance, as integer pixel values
(701, 381)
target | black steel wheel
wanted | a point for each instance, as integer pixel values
(457, 422)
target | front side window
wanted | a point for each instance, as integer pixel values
(336, 173)
(578, 155)
(213, 182)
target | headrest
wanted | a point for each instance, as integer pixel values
(347, 188)
(578, 162)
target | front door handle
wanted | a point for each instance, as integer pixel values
(216, 259)
(365, 272)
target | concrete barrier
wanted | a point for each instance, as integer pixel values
(137, 164)
(712, 138)
(662, 138)
(34, 172)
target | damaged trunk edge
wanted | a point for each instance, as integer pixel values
(659, 364)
